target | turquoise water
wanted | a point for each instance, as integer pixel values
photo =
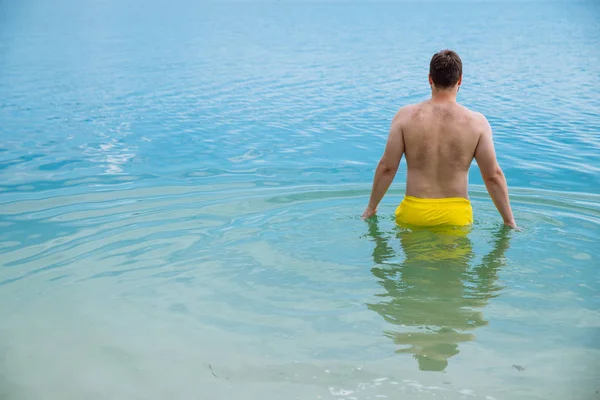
(181, 188)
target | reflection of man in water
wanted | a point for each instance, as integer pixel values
(434, 293)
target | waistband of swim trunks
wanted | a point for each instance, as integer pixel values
(445, 200)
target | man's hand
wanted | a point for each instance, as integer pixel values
(369, 212)
(512, 224)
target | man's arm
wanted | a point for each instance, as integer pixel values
(388, 165)
(492, 174)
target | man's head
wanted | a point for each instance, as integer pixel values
(445, 70)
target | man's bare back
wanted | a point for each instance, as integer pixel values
(440, 139)
(439, 144)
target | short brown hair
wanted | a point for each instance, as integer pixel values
(445, 69)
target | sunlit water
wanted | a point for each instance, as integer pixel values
(181, 187)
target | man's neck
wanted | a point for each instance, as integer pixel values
(443, 96)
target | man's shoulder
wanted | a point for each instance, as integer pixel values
(407, 108)
(481, 122)
(477, 122)
(476, 116)
(407, 111)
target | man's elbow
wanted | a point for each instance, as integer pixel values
(496, 177)
(386, 168)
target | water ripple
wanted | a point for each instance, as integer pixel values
(206, 165)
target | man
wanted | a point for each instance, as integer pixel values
(440, 139)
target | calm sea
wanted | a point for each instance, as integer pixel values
(181, 185)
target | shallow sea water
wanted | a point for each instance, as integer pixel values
(181, 187)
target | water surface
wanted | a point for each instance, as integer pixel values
(181, 188)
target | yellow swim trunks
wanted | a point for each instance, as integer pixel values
(416, 211)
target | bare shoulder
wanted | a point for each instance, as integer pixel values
(482, 124)
(477, 120)
(405, 113)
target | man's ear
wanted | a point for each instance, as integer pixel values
(430, 80)
(460, 80)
